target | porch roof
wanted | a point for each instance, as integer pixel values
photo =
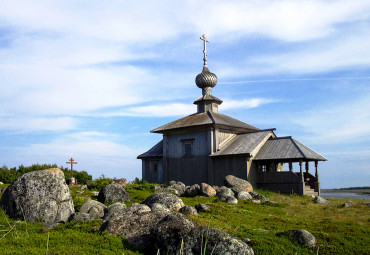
(287, 148)
(155, 152)
(243, 143)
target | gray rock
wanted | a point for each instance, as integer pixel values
(121, 181)
(83, 187)
(367, 203)
(202, 208)
(138, 208)
(243, 195)
(171, 201)
(207, 190)
(39, 195)
(171, 183)
(188, 210)
(112, 209)
(180, 187)
(168, 233)
(113, 192)
(225, 193)
(347, 204)
(83, 217)
(255, 195)
(134, 227)
(304, 238)
(256, 201)
(237, 184)
(94, 208)
(159, 207)
(218, 242)
(321, 200)
(192, 191)
(181, 183)
(158, 189)
(232, 200)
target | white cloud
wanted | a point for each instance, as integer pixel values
(345, 123)
(245, 103)
(30, 124)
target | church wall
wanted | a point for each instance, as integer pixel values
(252, 173)
(181, 167)
(223, 166)
(150, 174)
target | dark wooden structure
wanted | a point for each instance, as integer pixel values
(207, 146)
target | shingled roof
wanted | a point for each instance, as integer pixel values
(205, 118)
(242, 143)
(287, 148)
(155, 152)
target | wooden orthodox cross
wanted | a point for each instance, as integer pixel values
(71, 161)
(204, 39)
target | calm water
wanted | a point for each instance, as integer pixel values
(345, 195)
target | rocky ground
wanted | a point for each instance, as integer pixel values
(163, 222)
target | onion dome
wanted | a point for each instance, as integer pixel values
(206, 79)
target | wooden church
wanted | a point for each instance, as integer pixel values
(207, 145)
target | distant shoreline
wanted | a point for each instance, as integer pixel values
(364, 191)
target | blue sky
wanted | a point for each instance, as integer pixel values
(90, 79)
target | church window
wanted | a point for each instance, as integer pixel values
(264, 168)
(187, 148)
(154, 165)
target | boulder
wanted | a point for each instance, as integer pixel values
(158, 189)
(232, 200)
(171, 190)
(168, 233)
(218, 242)
(188, 210)
(321, 200)
(159, 207)
(94, 208)
(121, 181)
(192, 191)
(113, 192)
(113, 209)
(82, 217)
(347, 204)
(138, 208)
(243, 195)
(39, 195)
(180, 187)
(255, 195)
(202, 208)
(305, 238)
(171, 183)
(224, 193)
(134, 226)
(171, 201)
(237, 184)
(207, 190)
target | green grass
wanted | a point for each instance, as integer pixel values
(338, 230)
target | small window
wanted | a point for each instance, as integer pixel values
(264, 168)
(187, 148)
(154, 165)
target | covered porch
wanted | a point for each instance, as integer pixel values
(283, 165)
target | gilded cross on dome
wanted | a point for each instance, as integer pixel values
(204, 39)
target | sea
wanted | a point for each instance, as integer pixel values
(344, 195)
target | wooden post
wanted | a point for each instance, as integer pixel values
(290, 166)
(307, 166)
(301, 184)
(317, 183)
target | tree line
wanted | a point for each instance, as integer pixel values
(8, 175)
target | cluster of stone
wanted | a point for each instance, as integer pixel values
(235, 189)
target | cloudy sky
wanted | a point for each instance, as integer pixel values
(90, 79)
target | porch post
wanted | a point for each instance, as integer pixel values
(317, 183)
(307, 166)
(290, 166)
(301, 183)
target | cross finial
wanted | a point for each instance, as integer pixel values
(204, 39)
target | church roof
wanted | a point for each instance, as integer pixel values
(205, 118)
(287, 148)
(208, 98)
(155, 152)
(243, 143)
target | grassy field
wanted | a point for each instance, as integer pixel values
(338, 230)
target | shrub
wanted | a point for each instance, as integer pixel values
(100, 182)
